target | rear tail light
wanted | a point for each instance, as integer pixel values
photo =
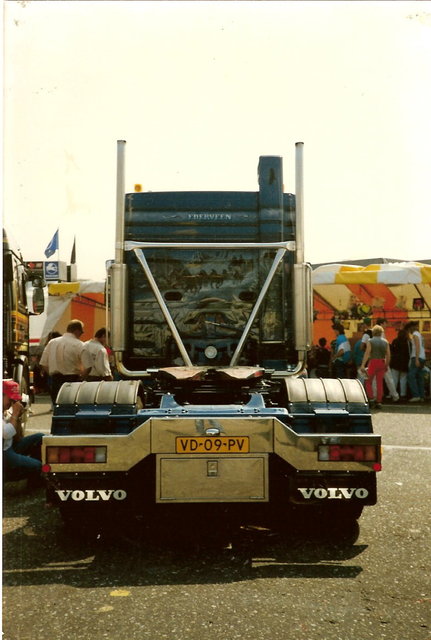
(75, 455)
(348, 453)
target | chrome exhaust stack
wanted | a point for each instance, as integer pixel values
(302, 272)
(117, 281)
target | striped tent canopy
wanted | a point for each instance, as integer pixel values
(396, 291)
(395, 273)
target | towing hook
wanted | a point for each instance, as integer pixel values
(213, 431)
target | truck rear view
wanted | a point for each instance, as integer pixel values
(210, 306)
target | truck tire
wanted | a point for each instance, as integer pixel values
(84, 521)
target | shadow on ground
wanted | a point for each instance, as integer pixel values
(39, 549)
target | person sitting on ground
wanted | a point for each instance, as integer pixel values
(20, 453)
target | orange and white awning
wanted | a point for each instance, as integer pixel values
(395, 273)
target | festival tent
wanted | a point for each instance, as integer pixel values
(64, 301)
(398, 292)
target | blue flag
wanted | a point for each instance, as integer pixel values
(52, 246)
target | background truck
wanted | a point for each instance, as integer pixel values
(210, 306)
(22, 296)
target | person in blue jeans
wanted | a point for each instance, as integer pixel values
(20, 454)
(416, 373)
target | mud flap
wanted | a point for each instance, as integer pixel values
(333, 489)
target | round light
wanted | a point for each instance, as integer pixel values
(210, 352)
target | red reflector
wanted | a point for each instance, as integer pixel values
(377, 466)
(46, 468)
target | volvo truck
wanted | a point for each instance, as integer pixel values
(210, 318)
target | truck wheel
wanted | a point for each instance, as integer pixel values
(77, 520)
(86, 521)
(329, 523)
(336, 513)
(346, 512)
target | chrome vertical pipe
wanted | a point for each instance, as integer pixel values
(117, 277)
(119, 232)
(299, 194)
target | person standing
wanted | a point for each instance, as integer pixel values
(366, 332)
(342, 352)
(20, 453)
(358, 354)
(322, 358)
(400, 359)
(382, 322)
(61, 358)
(416, 372)
(360, 346)
(378, 356)
(95, 358)
(51, 336)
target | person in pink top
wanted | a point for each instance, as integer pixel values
(378, 356)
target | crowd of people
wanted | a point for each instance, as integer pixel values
(65, 358)
(400, 366)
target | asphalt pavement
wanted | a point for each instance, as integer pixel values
(371, 583)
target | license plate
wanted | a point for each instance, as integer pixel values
(222, 444)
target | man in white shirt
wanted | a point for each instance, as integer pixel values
(95, 358)
(61, 358)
